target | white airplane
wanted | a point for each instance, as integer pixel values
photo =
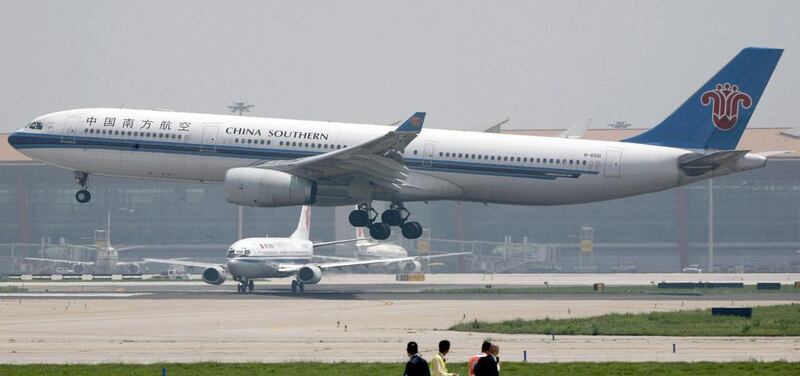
(276, 162)
(253, 258)
(106, 260)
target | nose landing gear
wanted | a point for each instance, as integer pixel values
(396, 215)
(82, 196)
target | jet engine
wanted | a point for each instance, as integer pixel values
(133, 268)
(309, 274)
(413, 266)
(250, 186)
(214, 275)
(78, 268)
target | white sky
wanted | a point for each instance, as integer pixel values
(545, 64)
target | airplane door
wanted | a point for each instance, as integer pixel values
(613, 163)
(209, 142)
(427, 155)
(70, 129)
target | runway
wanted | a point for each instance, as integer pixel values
(150, 322)
(384, 286)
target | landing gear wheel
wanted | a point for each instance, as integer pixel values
(379, 231)
(251, 286)
(411, 230)
(359, 218)
(392, 217)
(239, 288)
(83, 196)
(301, 286)
(294, 286)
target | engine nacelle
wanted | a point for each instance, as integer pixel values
(413, 266)
(309, 274)
(214, 275)
(250, 186)
(78, 268)
(133, 268)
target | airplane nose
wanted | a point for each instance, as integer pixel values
(235, 267)
(14, 139)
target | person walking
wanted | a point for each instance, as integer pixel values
(438, 363)
(489, 365)
(416, 366)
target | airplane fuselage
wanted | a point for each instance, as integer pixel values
(260, 257)
(444, 164)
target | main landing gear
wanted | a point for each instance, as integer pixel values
(83, 196)
(297, 285)
(396, 215)
(245, 286)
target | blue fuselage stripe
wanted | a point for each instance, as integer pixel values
(29, 141)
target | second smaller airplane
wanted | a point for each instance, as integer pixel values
(253, 258)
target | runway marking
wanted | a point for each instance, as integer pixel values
(72, 294)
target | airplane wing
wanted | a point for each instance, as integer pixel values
(57, 261)
(332, 258)
(445, 255)
(120, 249)
(195, 264)
(292, 268)
(322, 244)
(375, 160)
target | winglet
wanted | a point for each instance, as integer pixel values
(412, 124)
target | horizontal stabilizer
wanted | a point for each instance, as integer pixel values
(698, 164)
(775, 153)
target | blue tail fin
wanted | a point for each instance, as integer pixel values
(715, 116)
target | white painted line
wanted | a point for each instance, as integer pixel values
(72, 294)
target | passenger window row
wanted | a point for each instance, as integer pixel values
(132, 133)
(289, 143)
(540, 160)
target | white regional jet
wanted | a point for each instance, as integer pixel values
(253, 258)
(277, 162)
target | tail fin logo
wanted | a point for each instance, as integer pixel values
(726, 99)
(416, 122)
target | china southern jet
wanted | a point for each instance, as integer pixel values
(254, 258)
(276, 162)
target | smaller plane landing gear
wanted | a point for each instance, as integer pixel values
(245, 286)
(297, 285)
(82, 196)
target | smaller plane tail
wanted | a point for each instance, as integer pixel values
(303, 229)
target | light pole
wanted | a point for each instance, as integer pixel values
(240, 107)
(711, 225)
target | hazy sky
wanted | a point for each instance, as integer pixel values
(467, 63)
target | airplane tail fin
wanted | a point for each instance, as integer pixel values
(715, 116)
(304, 224)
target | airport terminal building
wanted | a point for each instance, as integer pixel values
(756, 219)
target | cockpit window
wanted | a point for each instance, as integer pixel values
(35, 125)
(237, 253)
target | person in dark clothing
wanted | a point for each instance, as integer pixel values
(489, 365)
(416, 366)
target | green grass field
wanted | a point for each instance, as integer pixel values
(7, 289)
(778, 320)
(373, 369)
(647, 289)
